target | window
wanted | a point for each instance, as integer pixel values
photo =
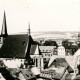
(43, 50)
(48, 54)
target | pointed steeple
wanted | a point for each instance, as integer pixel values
(29, 31)
(4, 26)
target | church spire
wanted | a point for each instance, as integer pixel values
(29, 31)
(4, 26)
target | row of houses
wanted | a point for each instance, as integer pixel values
(21, 47)
(21, 51)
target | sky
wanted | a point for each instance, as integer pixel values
(43, 15)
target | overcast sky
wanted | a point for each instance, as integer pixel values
(43, 15)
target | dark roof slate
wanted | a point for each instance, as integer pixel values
(32, 50)
(14, 46)
(6, 74)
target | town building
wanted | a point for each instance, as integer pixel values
(18, 49)
(61, 51)
(54, 74)
(21, 51)
(47, 51)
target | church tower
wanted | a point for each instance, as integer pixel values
(4, 27)
(30, 41)
(29, 31)
(4, 30)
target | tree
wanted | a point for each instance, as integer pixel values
(65, 43)
(68, 45)
(50, 43)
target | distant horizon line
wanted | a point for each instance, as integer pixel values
(49, 31)
(45, 32)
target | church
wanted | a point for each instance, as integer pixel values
(18, 49)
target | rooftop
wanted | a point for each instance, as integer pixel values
(61, 62)
(14, 46)
(53, 74)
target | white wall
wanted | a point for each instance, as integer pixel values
(13, 63)
(61, 51)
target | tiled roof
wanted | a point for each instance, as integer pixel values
(14, 46)
(61, 62)
(50, 73)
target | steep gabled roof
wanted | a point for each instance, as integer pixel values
(32, 50)
(61, 62)
(14, 46)
(28, 46)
